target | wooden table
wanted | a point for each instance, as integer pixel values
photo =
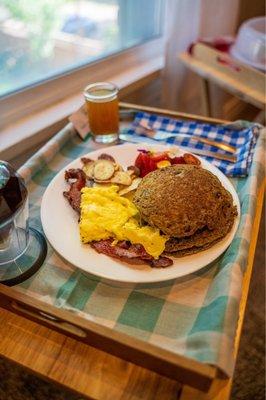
(94, 373)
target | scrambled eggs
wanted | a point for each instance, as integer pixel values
(105, 214)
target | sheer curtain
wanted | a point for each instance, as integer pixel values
(186, 21)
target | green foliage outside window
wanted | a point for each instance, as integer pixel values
(41, 19)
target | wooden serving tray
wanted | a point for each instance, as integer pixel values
(164, 362)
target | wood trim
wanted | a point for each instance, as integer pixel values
(175, 114)
(221, 389)
(246, 282)
(205, 97)
(149, 356)
(87, 371)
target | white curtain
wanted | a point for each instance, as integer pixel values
(186, 21)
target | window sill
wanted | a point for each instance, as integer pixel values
(28, 132)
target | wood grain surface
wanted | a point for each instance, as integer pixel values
(94, 373)
(171, 113)
(82, 368)
(144, 354)
(221, 389)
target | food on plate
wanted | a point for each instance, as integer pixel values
(187, 203)
(122, 178)
(163, 164)
(165, 204)
(73, 195)
(130, 253)
(148, 161)
(107, 215)
(133, 170)
(135, 183)
(103, 170)
(88, 169)
(189, 159)
(105, 156)
(106, 170)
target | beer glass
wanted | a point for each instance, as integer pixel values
(102, 107)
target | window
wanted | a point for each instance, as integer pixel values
(44, 39)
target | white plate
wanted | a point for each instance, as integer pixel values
(60, 224)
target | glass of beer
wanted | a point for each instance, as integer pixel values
(102, 107)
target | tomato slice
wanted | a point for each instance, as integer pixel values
(157, 157)
(145, 163)
(152, 165)
(139, 161)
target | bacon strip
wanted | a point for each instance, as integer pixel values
(73, 194)
(131, 253)
(161, 262)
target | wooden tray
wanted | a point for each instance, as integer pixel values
(174, 366)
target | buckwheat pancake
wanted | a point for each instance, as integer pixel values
(188, 204)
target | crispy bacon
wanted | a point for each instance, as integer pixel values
(73, 194)
(161, 262)
(130, 253)
(121, 250)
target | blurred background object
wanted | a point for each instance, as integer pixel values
(250, 44)
(207, 21)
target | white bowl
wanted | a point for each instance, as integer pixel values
(250, 44)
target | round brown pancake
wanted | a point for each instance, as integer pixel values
(202, 239)
(187, 203)
(181, 199)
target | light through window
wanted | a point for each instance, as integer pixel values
(40, 39)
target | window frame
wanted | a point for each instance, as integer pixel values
(35, 98)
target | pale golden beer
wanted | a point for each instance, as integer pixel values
(102, 107)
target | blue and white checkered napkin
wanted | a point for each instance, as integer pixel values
(243, 139)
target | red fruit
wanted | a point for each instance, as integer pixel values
(157, 157)
(152, 164)
(145, 164)
(190, 159)
(148, 166)
(177, 160)
(139, 162)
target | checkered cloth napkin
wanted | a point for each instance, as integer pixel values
(243, 139)
(195, 316)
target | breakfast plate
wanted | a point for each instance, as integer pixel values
(60, 224)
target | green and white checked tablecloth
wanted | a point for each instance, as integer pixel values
(195, 316)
